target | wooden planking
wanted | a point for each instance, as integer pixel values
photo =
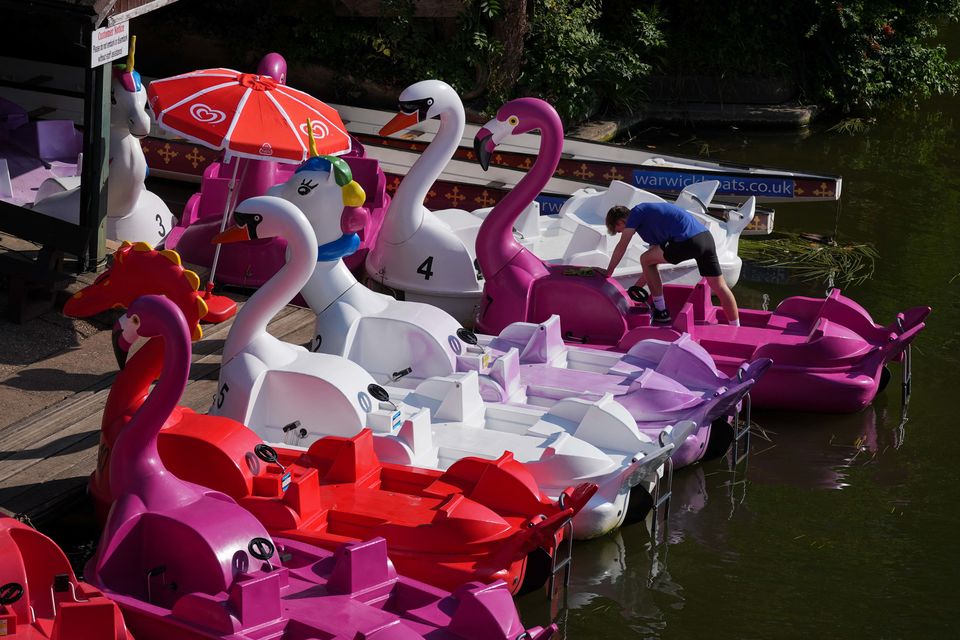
(45, 458)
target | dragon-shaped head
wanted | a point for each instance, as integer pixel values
(137, 270)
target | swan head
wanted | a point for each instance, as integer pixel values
(421, 101)
(265, 217)
(516, 117)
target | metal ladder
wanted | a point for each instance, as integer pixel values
(662, 494)
(562, 558)
(740, 447)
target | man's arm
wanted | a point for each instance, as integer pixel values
(619, 251)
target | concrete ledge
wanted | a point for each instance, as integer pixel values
(739, 114)
(746, 115)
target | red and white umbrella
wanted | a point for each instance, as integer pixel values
(246, 115)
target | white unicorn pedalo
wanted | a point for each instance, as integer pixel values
(133, 212)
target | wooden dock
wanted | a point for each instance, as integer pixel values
(46, 457)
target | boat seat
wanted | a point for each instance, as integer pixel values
(49, 140)
(545, 345)
(360, 566)
(255, 598)
(619, 193)
(585, 240)
(366, 173)
(693, 195)
(506, 373)
(346, 460)
(98, 618)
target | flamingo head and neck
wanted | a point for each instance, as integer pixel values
(420, 102)
(137, 270)
(135, 464)
(496, 246)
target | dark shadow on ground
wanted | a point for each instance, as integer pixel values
(52, 380)
(59, 447)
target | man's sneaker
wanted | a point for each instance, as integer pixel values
(660, 316)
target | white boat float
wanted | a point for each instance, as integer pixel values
(293, 396)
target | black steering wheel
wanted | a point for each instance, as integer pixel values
(378, 392)
(261, 549)
(268, 454)
(638, 294)
(10, 593)
(467, 336)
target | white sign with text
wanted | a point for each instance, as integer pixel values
(109, 43)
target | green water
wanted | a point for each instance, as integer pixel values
(839, 526)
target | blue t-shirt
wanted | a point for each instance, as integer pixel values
(661, 222)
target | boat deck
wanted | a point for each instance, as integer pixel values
(50, 409)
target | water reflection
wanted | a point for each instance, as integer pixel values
(612, 577)
(624, 576)
(813, 451)
(834, 518)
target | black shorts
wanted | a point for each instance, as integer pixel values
(700, 248)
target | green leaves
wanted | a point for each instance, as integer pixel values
(490, 8)
(580, 58)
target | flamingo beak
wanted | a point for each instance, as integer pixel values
(483, 146)
(400, 122)
(121, 347)
(233, 234)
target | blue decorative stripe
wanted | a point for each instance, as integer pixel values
(339, 248)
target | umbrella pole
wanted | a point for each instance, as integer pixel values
(220, 308)
(227, 208)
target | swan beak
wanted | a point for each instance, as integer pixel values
(400, 122)
(233, 234)
(483, 146)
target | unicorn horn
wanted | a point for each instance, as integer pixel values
(133, 48)
(313, 141)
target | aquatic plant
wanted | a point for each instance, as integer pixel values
(812, 258)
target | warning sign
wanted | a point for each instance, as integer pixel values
(109, 43)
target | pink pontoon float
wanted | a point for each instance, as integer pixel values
(828, 354)
(185, 561)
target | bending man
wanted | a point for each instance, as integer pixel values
(674, 235)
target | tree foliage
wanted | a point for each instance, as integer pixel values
(850, 54)
(589, 55)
